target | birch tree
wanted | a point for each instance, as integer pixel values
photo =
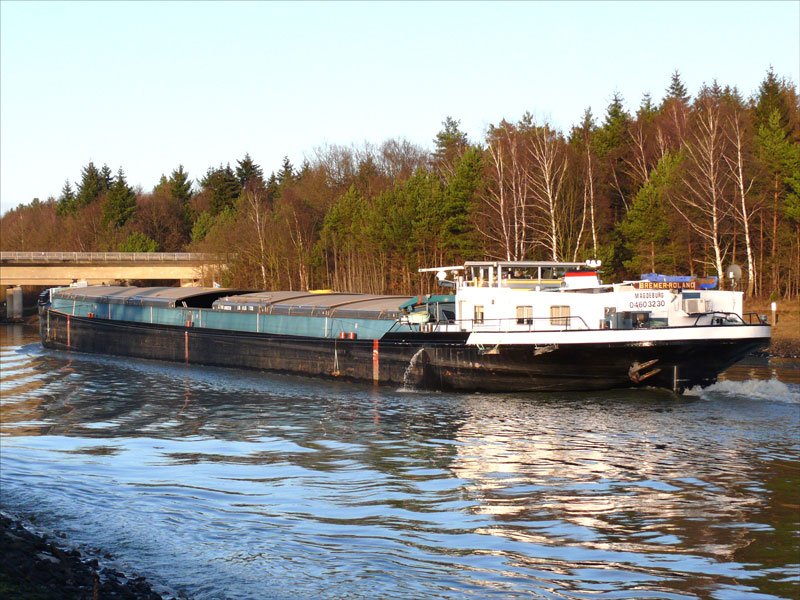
(254, 205)
(504, 220)
(546, 179)
(744, 184)
(703, 203)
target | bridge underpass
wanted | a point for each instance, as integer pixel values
(43, 269)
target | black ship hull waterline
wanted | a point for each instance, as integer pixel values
(414, 359)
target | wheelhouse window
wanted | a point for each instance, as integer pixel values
(559, 315)
(524, 315)
(478, 318)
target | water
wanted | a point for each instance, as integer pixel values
(230, 484)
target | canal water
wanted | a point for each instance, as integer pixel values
(220, 483)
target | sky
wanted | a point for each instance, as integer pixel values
(147, 86)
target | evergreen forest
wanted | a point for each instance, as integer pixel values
(685, 185)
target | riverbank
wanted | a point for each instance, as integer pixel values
(33, 567)
(786, 332)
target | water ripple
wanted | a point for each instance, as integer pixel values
(226, 484)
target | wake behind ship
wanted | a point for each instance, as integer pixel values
(508, 326)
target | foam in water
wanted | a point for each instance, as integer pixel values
(409, 382)
(754, 389)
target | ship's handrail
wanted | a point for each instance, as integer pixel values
(731, 318)
(510, 324)
(759, 319)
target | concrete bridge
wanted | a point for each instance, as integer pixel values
(62, 268)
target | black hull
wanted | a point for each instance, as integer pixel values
(419, 360)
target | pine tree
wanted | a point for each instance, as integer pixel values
(224, 188)
(779, 95)
(647, 110)
(286, 174)
(645, 229)
(202, 226)
(180, 186)
(91, 186)
(138, 242)
(106, 178)
(273, 187)
(459, 236)
(120, 204)
(613, 134)
(450, 143)
(611, 142)
(249, 173)
(66, 202)
(676, 89)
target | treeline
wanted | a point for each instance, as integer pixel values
(685, 186)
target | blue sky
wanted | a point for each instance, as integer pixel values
(148, 85)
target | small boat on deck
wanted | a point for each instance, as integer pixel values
(506, 326)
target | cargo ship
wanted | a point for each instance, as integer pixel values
(502, 327)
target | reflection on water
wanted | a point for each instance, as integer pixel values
(229, 484)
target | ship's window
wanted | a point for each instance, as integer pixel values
(524, 315)
(478, 314)
(559, 315)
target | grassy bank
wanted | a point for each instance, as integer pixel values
(786, 332)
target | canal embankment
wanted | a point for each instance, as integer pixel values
(34, 567)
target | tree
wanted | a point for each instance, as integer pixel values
(582, 137)
(253, 205)
(450, 143)
(249, 174)
(548, 167)
(778, 157)
(180, 186)
(646, 228)
(66, 201)
(106, 178)
(775, 94)
(138, 242)
(223, 187)
(674, 111)
(120, 202)
(92, 185)
(202, 226)
(677, 90)
(704, 202)
(459, 204)
(739, 137)
(286, 175)
(611, 144)
(507, 201)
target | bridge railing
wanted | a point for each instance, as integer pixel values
(95, 257)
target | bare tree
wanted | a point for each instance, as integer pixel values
(546, 177)
(508, 200)
(744, 184)
(254, 203)
(703, 203)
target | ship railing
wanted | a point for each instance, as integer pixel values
(753, 318)
(561, 323)
(719, 317)
(512, 324)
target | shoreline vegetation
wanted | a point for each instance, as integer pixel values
(679, 185)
